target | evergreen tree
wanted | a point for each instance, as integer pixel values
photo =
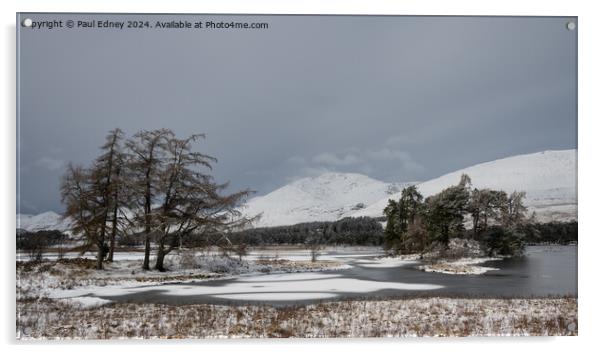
(410, 205)
(484, 205)
(445, 211)
(392, 228)
(402, 217)
(513, 210)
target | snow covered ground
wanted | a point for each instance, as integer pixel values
(54, 319)
(76, 278)
(389, 262)
(69, 299)
(273, 273)
(265, 274)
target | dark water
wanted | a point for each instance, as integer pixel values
(542, 271)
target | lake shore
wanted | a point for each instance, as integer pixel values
(438, 316)
(343, 294)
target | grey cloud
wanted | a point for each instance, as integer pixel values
(334, 160)
(397, 140)
(397, 98)
(49, 163)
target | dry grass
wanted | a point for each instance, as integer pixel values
(51, 319)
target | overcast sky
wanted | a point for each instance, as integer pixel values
(396, 98)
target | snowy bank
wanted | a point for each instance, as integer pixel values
(463, 266)
(76, 279)
(48, 319)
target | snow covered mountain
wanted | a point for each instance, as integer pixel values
(44, 221)
(549, 178)
(328, 197)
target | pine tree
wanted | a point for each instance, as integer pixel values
(392, 227)
(410, 209)
(513, 210)
(484, 205)
(403, 216)
(445, 211)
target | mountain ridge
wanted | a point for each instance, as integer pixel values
(327, 197)
(549, 178)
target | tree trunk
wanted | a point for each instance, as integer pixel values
(160, 257)
(113, 234)
(114, 225)
(161, 252)
(147, 224)
(145, 264)
(101, 245)
(100, 255)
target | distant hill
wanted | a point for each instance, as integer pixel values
(549, 178)
(44, 221)
(328, 197)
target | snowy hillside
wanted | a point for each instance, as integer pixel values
(44, 221)
(549, 178)
(327, 197)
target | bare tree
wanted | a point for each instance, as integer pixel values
(80, 197)
(106, 172)
(241, 250)
(192, 200)
(145, 158)
(313, 244)
(158, 186)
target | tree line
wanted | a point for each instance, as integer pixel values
(363, 231)
(153, 185)
(346, 231)
(415, 224)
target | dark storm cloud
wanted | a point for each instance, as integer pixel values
(397, 98)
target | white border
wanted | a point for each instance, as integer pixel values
(589, 163)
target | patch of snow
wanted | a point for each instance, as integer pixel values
(386, 262)
(88, 302)
(463, 266)
(277, 296)
(261, 284)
